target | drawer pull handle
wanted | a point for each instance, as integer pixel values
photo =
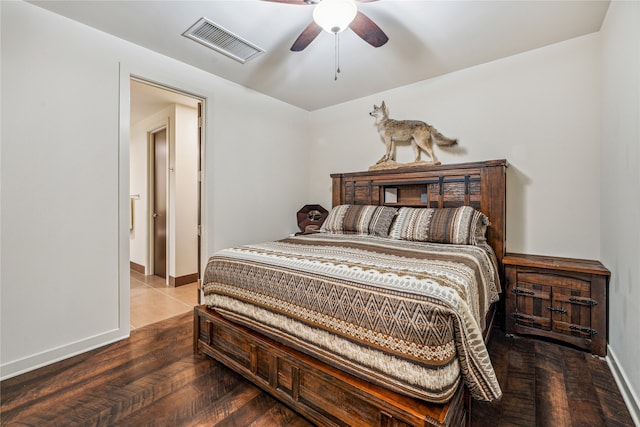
(530, 319)
(556, 309)
(583, 301)
(523, 317)
(522, 292)
(583, 329)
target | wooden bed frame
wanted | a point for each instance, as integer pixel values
(323, 394)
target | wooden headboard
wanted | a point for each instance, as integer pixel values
(481, 185)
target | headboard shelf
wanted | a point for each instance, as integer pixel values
(430, 168)
(481, 185)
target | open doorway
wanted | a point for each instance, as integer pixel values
(165, 178)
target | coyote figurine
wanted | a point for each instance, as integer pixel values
(421, 135)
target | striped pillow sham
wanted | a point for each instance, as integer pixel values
(360, 219)
(459, 226)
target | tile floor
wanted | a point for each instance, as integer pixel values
(152, 300)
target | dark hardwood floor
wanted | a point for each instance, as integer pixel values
(154, 379)
(548, 384)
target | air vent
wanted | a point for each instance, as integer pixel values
(215, 37)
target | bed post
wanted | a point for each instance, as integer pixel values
(493, 199)
(337, 190)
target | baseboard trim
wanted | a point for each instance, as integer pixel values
(136, 267)
(183, 280)
(45, 358)
(628, 395)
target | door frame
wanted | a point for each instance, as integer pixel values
(124, 142)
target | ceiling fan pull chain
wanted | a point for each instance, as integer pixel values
(337, 54)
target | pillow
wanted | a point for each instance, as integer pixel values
(360, 219)
(458, 226)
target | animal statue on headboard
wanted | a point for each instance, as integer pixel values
(421, 135)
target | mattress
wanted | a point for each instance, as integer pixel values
(405, 315)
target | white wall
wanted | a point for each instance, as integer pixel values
(184, 202)
(620, 209)
(65, 179)
(59, 231)
(540, 110)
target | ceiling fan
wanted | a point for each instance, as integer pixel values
(359, 23)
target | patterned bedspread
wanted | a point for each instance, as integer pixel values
(404, 315)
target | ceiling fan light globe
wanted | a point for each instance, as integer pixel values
(334, 16)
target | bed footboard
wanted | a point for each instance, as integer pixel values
(324, 395)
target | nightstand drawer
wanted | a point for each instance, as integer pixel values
(559, 298)
(553, 280)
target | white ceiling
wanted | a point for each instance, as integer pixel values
(426, 38)
(147, 99)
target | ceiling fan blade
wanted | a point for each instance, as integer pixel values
(306, 37)
(368, 30)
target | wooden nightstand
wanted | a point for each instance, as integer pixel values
(560, 298)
